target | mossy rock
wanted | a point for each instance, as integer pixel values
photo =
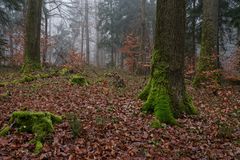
(38, 123)
(79, 80)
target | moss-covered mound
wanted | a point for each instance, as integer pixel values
(24, 79)
(79, 80)
(66, 71)
(38, 123)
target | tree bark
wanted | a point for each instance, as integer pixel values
(97, 33)
(194, 36)
(165, 93)
(11, 46)
(45, 47)
(113, 61)
(143, 31)
(87, 32)
(82, 39)
(208, 60)
(32, 36)
(238, 37)
(153, 18)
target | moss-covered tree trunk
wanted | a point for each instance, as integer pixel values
(32, 36)
(208, 60)
(165, 92)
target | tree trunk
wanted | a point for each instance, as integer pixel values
(11, 46)
(209, 45)
(82, 39)
(87, 32)
(97, 33)
(194, 36)
(32, 36)
(238, 37)
(112, 35)
(143, 31)
(45, 47)
(50, 34)
(153, 18)
(165, 93)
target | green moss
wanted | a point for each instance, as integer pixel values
(186, 106)
(31, 66)
(162, 109)
(155, 123)
(144, 94)
(189, 107)
(65, 71)
(3, 84)
(54, 72)
(158, 100)
(30, 77)
(44, 75)
(197, 80)
(38, 123)
(208, 60)
(5, 131)
(79, 80)
(38, 147)
(27, 78)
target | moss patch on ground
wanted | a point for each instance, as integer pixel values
(79, 80)
(38, 123)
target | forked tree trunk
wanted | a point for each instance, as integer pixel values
(208, 60)
(32, 36)
(165, 93)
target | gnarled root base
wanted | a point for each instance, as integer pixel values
(144, 94)
(159, 101)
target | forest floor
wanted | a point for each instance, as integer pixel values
(112, 126)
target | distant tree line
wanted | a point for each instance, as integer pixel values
(107, 33)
